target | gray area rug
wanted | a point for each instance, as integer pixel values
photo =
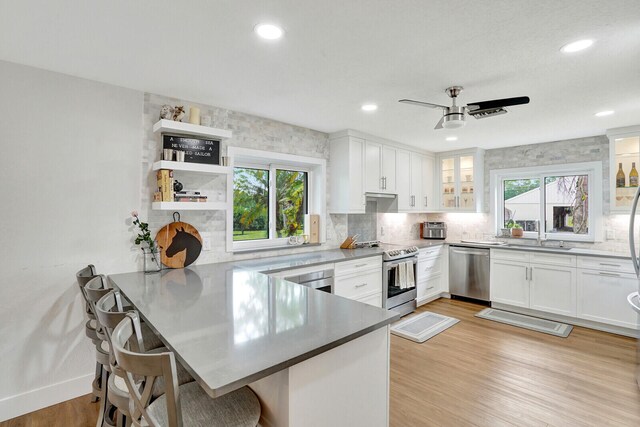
(527, 322)
(423, 326)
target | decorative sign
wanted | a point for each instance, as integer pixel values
(196, 150)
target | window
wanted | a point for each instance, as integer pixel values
(559, 197)
(272, 193)
(253, 204)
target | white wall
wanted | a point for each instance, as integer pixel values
(70, 173)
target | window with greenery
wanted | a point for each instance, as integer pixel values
(559, 199)
(262, 194)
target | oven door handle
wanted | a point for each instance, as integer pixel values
(389, 264)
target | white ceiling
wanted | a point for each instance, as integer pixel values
(337, 55)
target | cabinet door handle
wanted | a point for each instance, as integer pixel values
(359, 265)
(608, 274)
(359, 286)
(413, 201)
(530, 273)
(526, 273)
(610, 265)
(382, 182)
(425, 201)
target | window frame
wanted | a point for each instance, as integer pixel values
(592, 169)
(316, 194)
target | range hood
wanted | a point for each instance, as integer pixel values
(384, 202)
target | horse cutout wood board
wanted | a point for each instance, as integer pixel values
(180, 242)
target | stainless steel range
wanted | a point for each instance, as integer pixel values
(399, 277)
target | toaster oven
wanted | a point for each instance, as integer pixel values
(433, 230)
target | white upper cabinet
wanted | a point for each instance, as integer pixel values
(624, 154)
(404, 175)
(347, 175)
(361, 164)
(414, 186)
(427, 198)
(380, 168)
(461, 180)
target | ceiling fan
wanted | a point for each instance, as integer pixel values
(454, 117)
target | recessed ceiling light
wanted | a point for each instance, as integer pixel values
(268, 31)
(576, 46)
(451, 138)
(369, 107)
(605, 113)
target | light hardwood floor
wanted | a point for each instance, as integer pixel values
(481, 373)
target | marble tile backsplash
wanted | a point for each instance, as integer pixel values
(479, 226)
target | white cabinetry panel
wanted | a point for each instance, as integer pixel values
(553, 289)
(509, 282)
(602, 297)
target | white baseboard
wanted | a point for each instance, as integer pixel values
(427, 299)
(14, 406)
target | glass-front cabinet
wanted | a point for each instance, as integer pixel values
(624, 152)
(461, 184)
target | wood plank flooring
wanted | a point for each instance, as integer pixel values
(78, 412)
(481, 373)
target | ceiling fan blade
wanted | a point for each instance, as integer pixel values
(422, 104)
(439, 125)
(497, 103)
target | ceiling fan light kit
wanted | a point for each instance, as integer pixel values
(453, 117)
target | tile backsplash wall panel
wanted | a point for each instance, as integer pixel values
(249, 132)
(364, 225)
(589, 149)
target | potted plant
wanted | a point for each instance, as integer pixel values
(516, 230)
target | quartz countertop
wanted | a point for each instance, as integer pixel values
(230, 326)
(287, 262)
(551, 249)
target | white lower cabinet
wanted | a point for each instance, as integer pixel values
(509, 282)
(602, 297)
(360, 280)
(551, 283)
(374, 300)
(553, 289)
(431, 274)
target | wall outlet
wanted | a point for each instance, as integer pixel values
(611, 234)
(206, 241)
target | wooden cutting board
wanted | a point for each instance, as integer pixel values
(180, 242)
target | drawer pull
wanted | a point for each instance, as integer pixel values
(610, 265)
(608, 274)
(359, 286)
(359, 265)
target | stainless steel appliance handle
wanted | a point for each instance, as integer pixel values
(632, 242)
(635, 305)
(468, 252)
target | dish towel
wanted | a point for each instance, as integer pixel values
(402, 268)
(411, 278)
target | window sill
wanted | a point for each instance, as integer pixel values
(275, 248)
(533, 239)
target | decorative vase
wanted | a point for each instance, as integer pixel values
(152, 260)
(517, 232)
(505, 232)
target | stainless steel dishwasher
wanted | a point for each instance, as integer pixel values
(469, 272)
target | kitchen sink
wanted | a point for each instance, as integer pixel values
(537, 248)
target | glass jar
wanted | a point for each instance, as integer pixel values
(152, 260)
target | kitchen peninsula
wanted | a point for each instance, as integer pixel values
(302, 351)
